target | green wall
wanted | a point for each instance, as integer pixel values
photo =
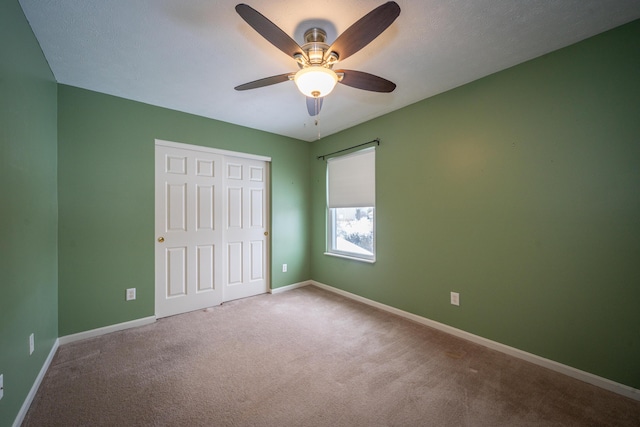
(517, 190)
(106, 197)
(28, 209)
(521, 192)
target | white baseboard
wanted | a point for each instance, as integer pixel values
(36, 385)
(106, 330)
(68, 339)
(587, 377)
(290, 287)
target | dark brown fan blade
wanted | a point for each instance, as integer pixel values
(267, 81)
(314, 105)
(366, 81)
(269, 30)
(365, 30)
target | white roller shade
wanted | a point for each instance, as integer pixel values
(351, 180)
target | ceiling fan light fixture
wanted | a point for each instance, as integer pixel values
(315, 81)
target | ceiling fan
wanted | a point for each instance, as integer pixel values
(316, 59)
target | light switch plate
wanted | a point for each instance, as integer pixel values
(1, 386)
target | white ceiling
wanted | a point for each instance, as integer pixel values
(188, 55)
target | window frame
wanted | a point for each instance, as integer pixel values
(331, 238)
(331, 226)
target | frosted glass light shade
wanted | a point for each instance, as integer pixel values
(315, 81)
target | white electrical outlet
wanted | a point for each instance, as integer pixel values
(32, 344)
(1, 386)
(284, 268)
(455, 298)
(131, 294)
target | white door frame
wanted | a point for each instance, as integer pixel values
(163, 143)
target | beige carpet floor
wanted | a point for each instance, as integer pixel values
(307, 357)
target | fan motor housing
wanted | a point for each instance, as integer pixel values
(315, 46)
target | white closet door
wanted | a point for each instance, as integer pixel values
(246, 232)
(189, 231)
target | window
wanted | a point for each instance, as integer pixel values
(351, 207)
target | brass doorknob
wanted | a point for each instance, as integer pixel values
(266, 233)
(160, 239)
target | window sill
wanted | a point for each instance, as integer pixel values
(337, 255)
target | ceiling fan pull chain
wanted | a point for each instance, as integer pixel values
(317, 122)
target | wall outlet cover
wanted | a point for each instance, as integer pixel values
(1, 385)
(284, 268)
(455, 298)
(32, 344)
(131, 294)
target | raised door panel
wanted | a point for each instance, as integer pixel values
(176, 164)
(205, 168)
(176, 283)
(176, 207)
(257, 260)
(205, 207)
(205, 268)
(257, 208)
(235, 263)
(234, 208)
